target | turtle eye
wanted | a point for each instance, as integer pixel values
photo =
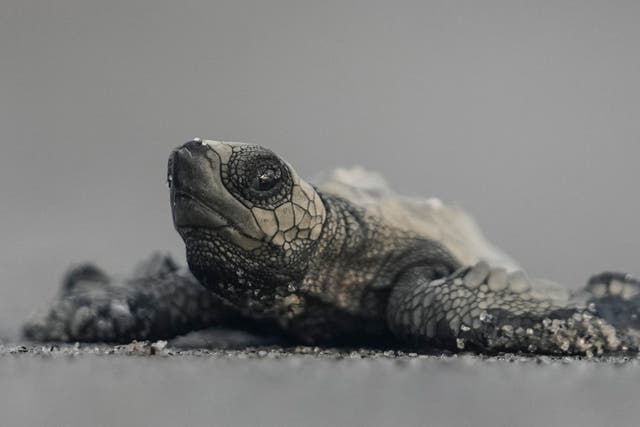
(266, 179)
(258, 177)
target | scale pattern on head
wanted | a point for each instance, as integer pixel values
(249, 222)
(287, 209)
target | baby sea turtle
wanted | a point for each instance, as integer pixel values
(347, 262)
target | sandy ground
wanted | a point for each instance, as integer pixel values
(159, 384)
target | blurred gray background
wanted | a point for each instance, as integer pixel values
(526, 114)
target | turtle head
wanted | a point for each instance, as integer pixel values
(249, 223)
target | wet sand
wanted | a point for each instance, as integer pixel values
(157, 384)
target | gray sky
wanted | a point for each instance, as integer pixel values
(527, 114)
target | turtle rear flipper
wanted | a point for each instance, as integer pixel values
(160, 301)
(156, 265)
(86, 275)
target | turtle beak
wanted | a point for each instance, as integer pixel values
(199, 198)
(190, 172)
(187, 162)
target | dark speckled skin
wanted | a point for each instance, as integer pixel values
(271, 252)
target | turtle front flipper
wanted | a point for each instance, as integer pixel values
(489, 310)
(160, 301)
(615, 297)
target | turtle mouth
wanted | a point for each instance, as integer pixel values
(190, 211)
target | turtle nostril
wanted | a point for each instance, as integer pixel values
(195, 145)
(187, 164)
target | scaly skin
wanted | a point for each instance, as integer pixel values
(272, 250)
